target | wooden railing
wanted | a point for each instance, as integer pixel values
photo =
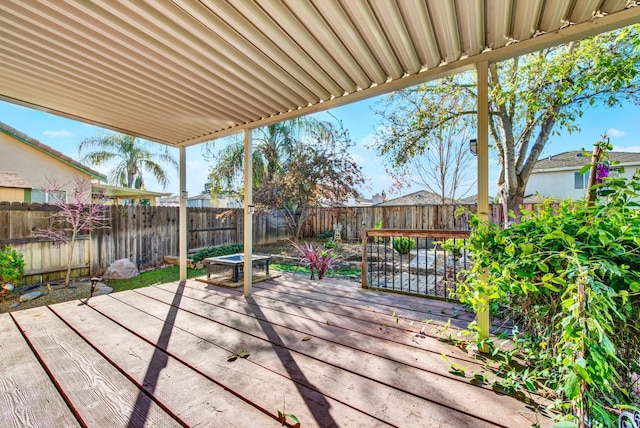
(427, 268)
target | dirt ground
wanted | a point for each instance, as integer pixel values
(80, 288)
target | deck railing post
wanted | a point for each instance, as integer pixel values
(363, 236)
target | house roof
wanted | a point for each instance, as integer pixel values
(577, 159)
(421, 197)
(184, 72)
(13, 180)
(32, 142)
(116, 192)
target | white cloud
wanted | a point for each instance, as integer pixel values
(616, 133)
(634, 149)
(58, 134)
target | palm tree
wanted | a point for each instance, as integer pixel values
(273, 145)
(133, 157)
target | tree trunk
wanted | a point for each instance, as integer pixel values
(511, 201)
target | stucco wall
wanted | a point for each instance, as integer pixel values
(560, 184)
(35, 166)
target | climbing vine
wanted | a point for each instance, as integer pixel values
(568, 275)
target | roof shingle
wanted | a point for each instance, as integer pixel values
(579, 159)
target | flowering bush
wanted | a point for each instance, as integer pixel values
(11, 265)
(317, 259)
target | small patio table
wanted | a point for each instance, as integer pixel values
(236, 261)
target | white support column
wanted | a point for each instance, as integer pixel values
(483, 169)
(248, 214)
(182, 222)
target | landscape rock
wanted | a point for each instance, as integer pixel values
(30, 296)
(121, 269)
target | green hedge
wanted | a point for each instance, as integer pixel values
(217, 251)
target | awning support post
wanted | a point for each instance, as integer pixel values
(182, 221)
(248, 213)
(483, 174)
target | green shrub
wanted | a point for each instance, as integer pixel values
(325, 234)
(569, 277)
(11, 265)
(403, 244)
(330, 244)
(217, 251)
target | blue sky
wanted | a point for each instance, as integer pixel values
(621, 124)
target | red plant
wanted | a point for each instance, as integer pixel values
(317, 259)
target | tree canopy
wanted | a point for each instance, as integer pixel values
(297, 164)
(132, 158)
(531, 98)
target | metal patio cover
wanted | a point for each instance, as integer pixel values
(181, 72)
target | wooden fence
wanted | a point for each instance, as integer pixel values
(424, 217)
(145, 234)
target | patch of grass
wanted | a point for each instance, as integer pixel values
(284, 267)
(169, 274)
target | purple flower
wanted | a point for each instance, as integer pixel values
(602, 171)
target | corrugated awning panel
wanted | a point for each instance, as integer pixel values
(183, 71)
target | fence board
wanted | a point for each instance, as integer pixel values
(145, 234)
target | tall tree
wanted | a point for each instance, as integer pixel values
(531, 98)
(443, 162)
(132, 158)
(297, 164)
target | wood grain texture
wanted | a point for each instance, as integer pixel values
(195, 399)
(350, 359)
(27, 395)
(101, 395)
(207, 348)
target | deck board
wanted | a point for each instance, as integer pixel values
(257, 338)
(365, 370)
(195, 400)
(27, 395)
(101, 395)
(206, 347)
(328, 352)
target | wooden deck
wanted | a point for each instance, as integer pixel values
(329, 353)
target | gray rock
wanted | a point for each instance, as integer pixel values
(14, 305)
(30, 296)
(121, 269)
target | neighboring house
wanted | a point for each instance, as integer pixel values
(26, 164)
(357, 202)
(204, 200)
(559, 176)
(421, 197)
(169, 201)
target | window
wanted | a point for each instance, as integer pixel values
(580, 180)
(39, 195)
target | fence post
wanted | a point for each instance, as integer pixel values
(363, 274)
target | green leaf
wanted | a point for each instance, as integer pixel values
(565, 424)
(542, 267)
(572, 386)
(526, 249)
